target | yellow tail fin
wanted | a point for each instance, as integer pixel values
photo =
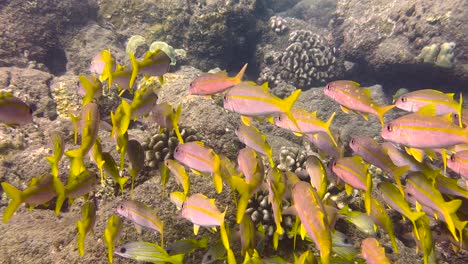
(16, 200)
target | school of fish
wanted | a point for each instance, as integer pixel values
(414, 153)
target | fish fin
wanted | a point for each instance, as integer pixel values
(288, 105)
(16, 200)
(89, 91)
(418, 154)
(246, 120)
(344, 109)
(302, 231)
(81, 237)
(195, 229)
(367, 91)
(135, 69)
(397, 173)
(364, 115)
(381, 110)
(327, 127)
(175, 124)
(242, 206)
(176, 259)
(429, 109)
(298, 134)
(60, 191)
(349, 189)
(107, 72)
(368, 194)
(218, 182)
(164, 174)
(264, 86)
(460, 110)
(238, 77)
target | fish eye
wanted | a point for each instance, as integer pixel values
(225, 98)
(279, 118)
(389, 128)
(452, 157)
(123, 250)
(352, 141)
(327, 87)
(403, 99)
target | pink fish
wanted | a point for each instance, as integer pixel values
(354, 172)
(325, 145)
(443, 103)
(212, 83)
(307, 122)
(351, 96)
(13, 111)
(251, 165)
(141, 215)
(97, 64)
(372, 152)
(253, 138)
(313, 216)
(372, 252)
(200, 158)
(202, 211)
(425, 131)
(249, 99)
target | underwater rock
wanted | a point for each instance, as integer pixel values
(293, 159)
(388, 37)
(32, 30)
(31, 86)
(307, 61)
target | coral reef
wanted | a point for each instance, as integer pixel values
(278, 24)
(292, 159)
(160, 146)
(260, 211)
(442, 55)
(308, 61)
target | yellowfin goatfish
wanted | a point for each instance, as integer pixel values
(372, 152)
(136, 156)
(307, 122)
(179, 173)
(141, 215)
(425, 131)
(90, 87)
(355, 173)
(165, 116)
(380, 217)
(276, 188)
(143, 102)
(393, 198)
(372, 252)
(318, 175)
(111, 234)
(202, 211)
(351, 96)
(111, 168)
(214, 253)
(212, 83)
(81, 185)
(443, 103)
(310, 210)
(88, 218)
(426, 241)
(421, 189)
(200, 158)
(13, 111)
(58, 146)
(39, 191)
(251, 165)
(186, 246)
(325, 145)
(254, 139)
(155, 63)
(362, 221)
(249, 99)
(147, 252)
(89, 123)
